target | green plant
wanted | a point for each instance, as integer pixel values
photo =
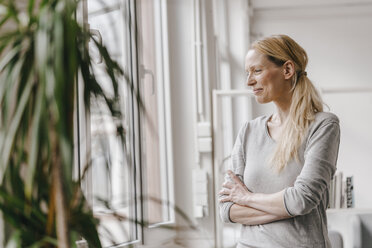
(43, 54)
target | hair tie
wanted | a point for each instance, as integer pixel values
(302, 73)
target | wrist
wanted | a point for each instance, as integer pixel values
(248, 199)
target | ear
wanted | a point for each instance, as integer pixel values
(288, 69)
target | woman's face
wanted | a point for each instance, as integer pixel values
(268, 81)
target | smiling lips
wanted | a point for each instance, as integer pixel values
(256, 91)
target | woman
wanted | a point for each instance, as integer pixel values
(282, 164)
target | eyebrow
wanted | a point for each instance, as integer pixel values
(254, 66)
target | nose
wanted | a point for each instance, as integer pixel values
(250, 80)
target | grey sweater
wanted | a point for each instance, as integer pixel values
(306, 183)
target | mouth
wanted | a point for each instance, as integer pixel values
(256, 91)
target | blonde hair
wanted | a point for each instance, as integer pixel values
(306, 100)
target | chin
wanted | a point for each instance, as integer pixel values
(261, 100)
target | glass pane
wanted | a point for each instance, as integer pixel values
(111, 185)
(99, 6)
(153, 117)
(111, 27)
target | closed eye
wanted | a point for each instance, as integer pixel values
(255, 71)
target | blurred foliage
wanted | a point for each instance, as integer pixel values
(42, 55)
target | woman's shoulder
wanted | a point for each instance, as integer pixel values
(326, 125)
(324, 118)
(260, 119)
(323, 122)
(257, 122)
(254, 124)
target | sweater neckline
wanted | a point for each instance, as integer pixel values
(267, 128)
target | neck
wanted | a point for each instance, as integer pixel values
(282, 109)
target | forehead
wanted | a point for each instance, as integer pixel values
(254, 59)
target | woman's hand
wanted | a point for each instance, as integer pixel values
(235, 191)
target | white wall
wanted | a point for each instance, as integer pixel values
(181, 49)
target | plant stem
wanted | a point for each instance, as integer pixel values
(61, 216)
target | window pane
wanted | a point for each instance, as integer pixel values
(111, 185)
(99, 6)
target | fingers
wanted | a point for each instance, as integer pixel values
(235, 178)
(225, 199)
(224, 195)
(228, 185)
(224, 192)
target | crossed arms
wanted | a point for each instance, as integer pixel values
(252, 208)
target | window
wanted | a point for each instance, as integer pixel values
(111, 183)
(131, 178)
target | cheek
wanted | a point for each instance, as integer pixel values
(271, 83)
(266, 78)
(272, 89)
(267, 83)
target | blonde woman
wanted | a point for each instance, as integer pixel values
(277, 185)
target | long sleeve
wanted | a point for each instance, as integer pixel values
(320, 164)
(237, 165)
